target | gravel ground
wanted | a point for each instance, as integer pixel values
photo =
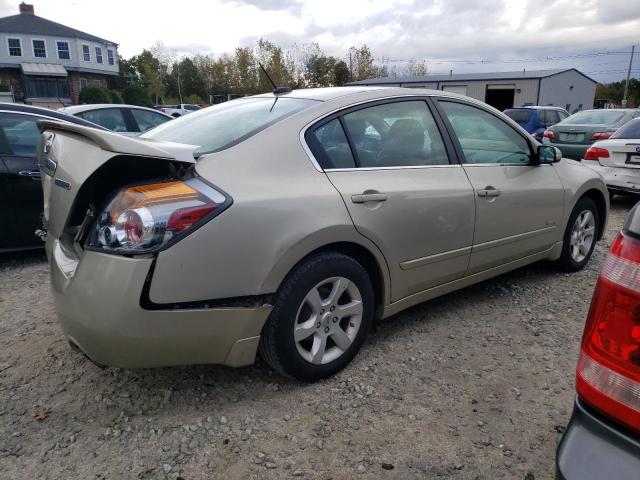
(476, 384)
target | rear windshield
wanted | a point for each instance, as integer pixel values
(222, 126)
(630, 130)
(519, 115)
(594, 117)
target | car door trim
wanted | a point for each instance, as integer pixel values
(438, 257)
(513, 238)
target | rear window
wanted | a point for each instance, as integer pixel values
(630, 130)
(519, 115)
(222, 126)
(594, 117)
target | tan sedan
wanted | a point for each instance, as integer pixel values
(288, 222)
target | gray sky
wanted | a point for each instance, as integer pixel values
(449, 34)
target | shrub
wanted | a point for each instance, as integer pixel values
(4, 87)
(136, 95)
(115, 96)
(195, 99)
(94, 94)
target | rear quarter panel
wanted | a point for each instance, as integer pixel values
(283, 209)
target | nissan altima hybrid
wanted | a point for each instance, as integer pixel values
(286, 223)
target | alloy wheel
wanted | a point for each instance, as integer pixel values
(582, 235)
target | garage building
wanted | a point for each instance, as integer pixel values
(566, 88)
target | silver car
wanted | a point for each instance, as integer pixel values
(287, 223)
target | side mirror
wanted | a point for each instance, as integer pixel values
(548, 154)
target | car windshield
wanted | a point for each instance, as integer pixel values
(594, 117)
(630, 130)
(519, 115)
(222, 126)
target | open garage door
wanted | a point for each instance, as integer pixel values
(500, 96)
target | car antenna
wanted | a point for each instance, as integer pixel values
(276, 90)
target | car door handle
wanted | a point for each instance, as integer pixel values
(369, 197)
(489, 192)
(27, 173)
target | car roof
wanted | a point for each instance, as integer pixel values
(72, 110)
(46, 112)
(325, 93)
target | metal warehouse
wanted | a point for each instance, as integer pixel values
(566, 88)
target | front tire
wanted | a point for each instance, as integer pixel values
(321, 316)
(580, 236)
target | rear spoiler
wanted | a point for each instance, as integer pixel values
(117, 143)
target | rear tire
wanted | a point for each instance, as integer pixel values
(580, 236)
(321, 316)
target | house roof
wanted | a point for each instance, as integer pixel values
(462, 77)
(25, 23)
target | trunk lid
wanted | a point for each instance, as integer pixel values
(69, 154)
(579, 134)
(623, 153)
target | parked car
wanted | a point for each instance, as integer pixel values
(361, 203)
(125, 119)
(536, 120)
(576, 133)
(617, 159)
(602, 439)
(20, 189)
(178, 110)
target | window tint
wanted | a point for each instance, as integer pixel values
(221, 126)
(110, 118)
(520, 115)
(21, 134)
(330, 146)
(395, 135)
(485, 138)
(595, 117)
(147, 120)
(630, 130)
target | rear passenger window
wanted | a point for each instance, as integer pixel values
(330, 146)
(396, 135)
(109, 118)
(484, 138)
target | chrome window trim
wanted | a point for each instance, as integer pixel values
(404, 167)
(315, 163)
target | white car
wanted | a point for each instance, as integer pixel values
(178, 110)
(126, 119)
(617, 159)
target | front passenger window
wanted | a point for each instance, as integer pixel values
(484, 138)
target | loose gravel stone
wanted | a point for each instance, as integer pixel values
(476, 384)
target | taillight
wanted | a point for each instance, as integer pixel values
(608, 373)
(601, 135)
(548, 134)
(595, 153)
(145, 218)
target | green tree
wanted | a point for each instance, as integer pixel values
(94, 94)
(246, 78)
(340, 73)
(362, 66)
(136, 94)
(115, 96)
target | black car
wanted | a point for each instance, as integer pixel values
(20, 188)
(602, 439)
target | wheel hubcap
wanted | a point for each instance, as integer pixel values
(582, 235)
(328, 320)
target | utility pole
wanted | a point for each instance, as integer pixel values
(626, 85)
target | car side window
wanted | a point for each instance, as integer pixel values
(395, 135)
(330, 146)
(109, 118)
(20, 134)
(147, 120)
(484, 138)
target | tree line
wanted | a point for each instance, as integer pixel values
(613, 92)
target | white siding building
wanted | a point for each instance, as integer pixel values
(566, 88)
(44, 62)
